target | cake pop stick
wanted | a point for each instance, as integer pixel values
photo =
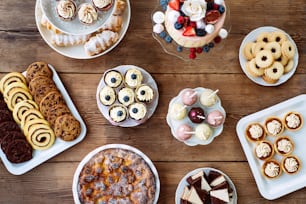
(201, 117)
(213, 93)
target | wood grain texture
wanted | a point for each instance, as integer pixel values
(21, 44)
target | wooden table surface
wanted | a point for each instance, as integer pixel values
(21, 44)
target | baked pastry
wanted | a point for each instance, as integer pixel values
(65, 40)
(118, 113)
(275, 49)
(264, 150)
(119, 7)
(274, 126)
(103, 5)
(114, 23)
(113, 78)
(277, 36)
(257, 47)
(40, 136)
(293, 121)
(247, 50)
(144, 93)
(133, 78)
(67, 127)
(283, 145)
(126, 96)
(263, 37)
(291, 164)
(40, 86)
(255, 132)
(87, 14)
(100, 42)
(116, 176)
(45, 23)
(107, 96)
(289, 66)
(66, 9)
(253, 69)
(38, 69)
(271, 169)
(137, 111)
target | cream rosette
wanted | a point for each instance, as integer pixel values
(195, 9)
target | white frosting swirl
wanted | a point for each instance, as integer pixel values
(195, 9)
(274, 127)
(118, 113)
(291, 165)
(87, 13)
(66, 9)
(107, 96)
(137, 111)
(113, 79)
(126, 96)
(263, 150)
(133, 77)
(102, 3)
(293, 121)
(284, 145)
(256, 131)
(144, 93)
(272, 169)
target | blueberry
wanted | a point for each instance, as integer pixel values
(113, 80)
(200, 32)
(134, 110)
(107, 97)
(179, 48)
(119, 113)
(142, 92)
(163, 2)
(164, 7)
(168, 39)
(210, 6)
(206, 48)
(162, 34)
(211, 45)
(134, 76)
(178, 26)
(126, 98)
(221, 9)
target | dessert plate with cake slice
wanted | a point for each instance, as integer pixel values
(206, 185)
(82, 46)
(273, 141)
(268, 56)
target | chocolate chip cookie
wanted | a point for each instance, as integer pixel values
(55, 112)
(38, 69)
(51, 99)
(67, 127)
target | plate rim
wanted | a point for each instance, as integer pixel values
(242, 60)
(24, 167)
(63, 50)
(89, 155)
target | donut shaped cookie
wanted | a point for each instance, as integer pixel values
(11, 78)
(258, 47)
(253, 69)
(289, 66)
(283, 60)
(38, 69)
(21, 107)
(275, 49)
(273, 73)
(263, 37)
(288, 49)
(277, 36)
(264, 58)
(247, 50)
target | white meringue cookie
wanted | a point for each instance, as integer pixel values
(173, 15)
(209, 28)
(158, 17)
(219, 2)
(200, 24)
(223, 33)
(158, 28)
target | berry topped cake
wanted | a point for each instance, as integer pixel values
(193, 24)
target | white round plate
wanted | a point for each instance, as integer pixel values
(147, 79)
(112, 146)
(252, 37)
(77, 51)
(183, 183)
(174, 124)
(74, 27)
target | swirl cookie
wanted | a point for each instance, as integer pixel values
(21, 107)
(55, 112)
(30, 123)
(11, 78)
(19, 151)
(9, 88)
(30, 115)
(41, 136)
(16, 95)
(67, 127)
(38, 69)
(51, 99)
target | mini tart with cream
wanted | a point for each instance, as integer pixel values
(103, 5)
(274, 126)
(264, 150)
(113, 78)
(293, 121)
(87, 14)
(271, 169)
(66, 9)
(133, 78)
(255, 132)
(144, 93)
(283, 145)
(291, 164)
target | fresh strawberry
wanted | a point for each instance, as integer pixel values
(174, 4)
(189, 31)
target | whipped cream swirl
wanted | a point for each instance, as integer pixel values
(263, 150)
(291, 165)
(102, 3)
(284, 145)
(195, 9)
(272, 169)
(274, 127)
(255, 131)
(293, 121)
(87, 13)
(66, 9)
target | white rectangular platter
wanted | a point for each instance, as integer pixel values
(40, 156)
(285, 184)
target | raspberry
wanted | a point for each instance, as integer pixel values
(192, 55)
(193, 24)
(193, 50)
(215, 6)
(199, 50)
(180, 20)
(217, 39)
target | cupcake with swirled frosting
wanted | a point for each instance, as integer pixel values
(144, 93)
(118, 113)
(271, 169)
(264, 150)
(137, 111)
(66, 9)
(107, 96)
(113, 78)
(87, 14)
(103, 5)
(284, 145)
(133, 78)
(291, 164)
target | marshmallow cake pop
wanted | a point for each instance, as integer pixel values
(189, 97)
(184, 132)
(178, 111)
(196, 115)
(215, 118)
(209, 97)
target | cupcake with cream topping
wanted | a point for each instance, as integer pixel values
(144, 93)
(66, 9)
(118, 113)
(274, 126)
(264, 150)
(87, 14)
(284, 145)
(107, 96)
(291, 164)
(137, 111)
(133, 78)
(126, 96)
(103, 5)
(293, 121)
(255, 132)
(271, 169)
(113, 78)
